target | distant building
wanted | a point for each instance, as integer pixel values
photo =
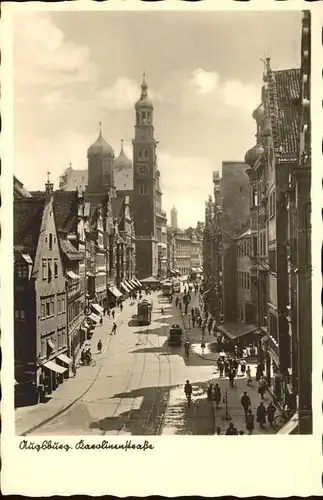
(185, 251)
(173, 218)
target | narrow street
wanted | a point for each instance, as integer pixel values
(139, 386)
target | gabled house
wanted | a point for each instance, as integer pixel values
(40, 323)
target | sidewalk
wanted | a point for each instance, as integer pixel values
(28, 418)
(234, 407)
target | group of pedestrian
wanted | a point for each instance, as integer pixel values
(262, 413)
(196, 316)
(86, 355)
(214, 393)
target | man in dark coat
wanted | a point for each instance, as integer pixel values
(271, 413)
(217, 395)
(261, 414)
(245, 402)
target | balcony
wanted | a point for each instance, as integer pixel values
(161, 214)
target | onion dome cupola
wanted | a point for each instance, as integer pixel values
(122, 161)
(259, 113)
(253, 154)
(144, 102)
(100, 147)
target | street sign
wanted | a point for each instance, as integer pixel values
(87, 311)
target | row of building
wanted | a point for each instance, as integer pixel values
(257, 238)
(79, 249)
(184, 248)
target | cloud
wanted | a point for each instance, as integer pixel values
(207, 93)
(43, 55)
(185, 182)
(123, 94)
(205, 81)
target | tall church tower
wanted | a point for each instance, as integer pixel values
(173, 218)
(101, 167)
(144, 187)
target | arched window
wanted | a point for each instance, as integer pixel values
(50, 244)
(143, 117)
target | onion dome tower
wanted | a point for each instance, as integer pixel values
(100, 165)
(123, 171)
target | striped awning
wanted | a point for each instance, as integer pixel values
(125, 288)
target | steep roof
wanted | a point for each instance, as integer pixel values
(27, 214)
(66, 210)
(19, 190)
(284, 96)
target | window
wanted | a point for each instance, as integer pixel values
(50, 271)
(59, 305)
(143, 190)
(59, 339)
(47, 309)
(272, 260)
(22, 271)
(63, 304)
(44, 269)
(43, 310)
(52, 307)
(20, 314)
(50, 243)
(56, 268)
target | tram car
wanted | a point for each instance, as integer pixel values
(144, 310)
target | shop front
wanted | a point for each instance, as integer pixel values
(114, 294)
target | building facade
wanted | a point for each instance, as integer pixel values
(272, 160)
(299, 248)
(40, 319)
(185, 251)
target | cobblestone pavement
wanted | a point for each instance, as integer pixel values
(136, 387)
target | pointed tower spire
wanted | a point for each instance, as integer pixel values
(100, 130)
(144, 86)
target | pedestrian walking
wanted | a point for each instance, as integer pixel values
(261, 414)
(113, 313)
(121, 306)
(260, 371)
(99, 346)
(193, 321)
(271, 413)
(101, 321)
(232, 374)
(231, 430)
(74, 369)
(114, 328)
(262, 387)
(250, 422)
(243, 366)
(221, 367)
(209, 391)
(176, 302)
(249, 377)
(180, 305)
(217, 395)
(226, 367)
(245, 403)
(218, 431)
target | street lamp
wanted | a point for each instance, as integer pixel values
(227, 415)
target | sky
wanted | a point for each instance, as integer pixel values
(73, 70)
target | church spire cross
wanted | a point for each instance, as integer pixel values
(121, 145)
(48, 174)
(144, 86)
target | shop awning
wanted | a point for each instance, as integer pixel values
(125, 288)
(129, 285)
(54, 367)
(207, 292)
(290, 426)
(72, 275)
(51, 344)
(133, 283)
(138, 282)
(97, 309)
(236, 330)
(64, 358)
(27, 258)
(114, 290)
(93, 317)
